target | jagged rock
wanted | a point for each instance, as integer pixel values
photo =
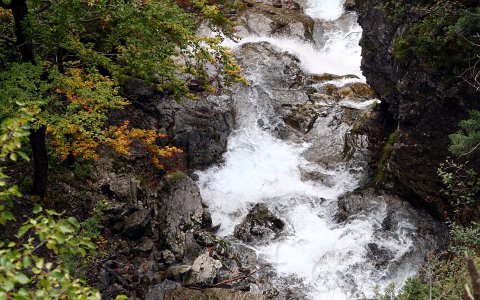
(179, 210)
(135, 224)
(259, 224)
(167, 256)
(178, 273)
(205, 238)
(301, 117)
(143, 247)
(204, 270)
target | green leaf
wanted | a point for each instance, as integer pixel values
(8, 285)
(24, 229)
(21, 278)
(37, 209)
(23, 155)
(13, 156)
(27, 261)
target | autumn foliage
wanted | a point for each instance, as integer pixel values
(121, 138)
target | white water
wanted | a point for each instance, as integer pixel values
(325, 9)
(330, 258)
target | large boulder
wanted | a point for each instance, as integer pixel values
(258, 225)
(179, 210)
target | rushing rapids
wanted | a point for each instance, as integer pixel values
(307, 176)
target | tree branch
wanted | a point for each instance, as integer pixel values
(44, 7)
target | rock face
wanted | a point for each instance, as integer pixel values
(200, 127)
(179, 209)
(424, 107)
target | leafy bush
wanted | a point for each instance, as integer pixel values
(444, 39)
(24, 274)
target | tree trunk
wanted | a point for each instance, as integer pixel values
(37, 137)
(20, 12)
(40, 161)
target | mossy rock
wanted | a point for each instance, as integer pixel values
(175, 176)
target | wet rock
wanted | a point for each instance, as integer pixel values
(179, 209)
(259, 224)
(280, 69)
(317, 176)
(379, 255)
(206, 217)
(265, 18)
(396, 220)
(203, 271)
(321, 78)
(135, 224)
(301, 117)
(201, 128)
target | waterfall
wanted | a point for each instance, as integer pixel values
(330, 258)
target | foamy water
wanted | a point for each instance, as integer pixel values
(330, 258)
(325, 9)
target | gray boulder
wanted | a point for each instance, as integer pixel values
(204, 270)
(179, 210)
(259, 224)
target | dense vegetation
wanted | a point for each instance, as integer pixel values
(442, 37)
(62, 67)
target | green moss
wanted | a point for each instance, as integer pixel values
(386, 153)
(441, 41)
(176, 176)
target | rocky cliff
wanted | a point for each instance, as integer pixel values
(424, 106)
